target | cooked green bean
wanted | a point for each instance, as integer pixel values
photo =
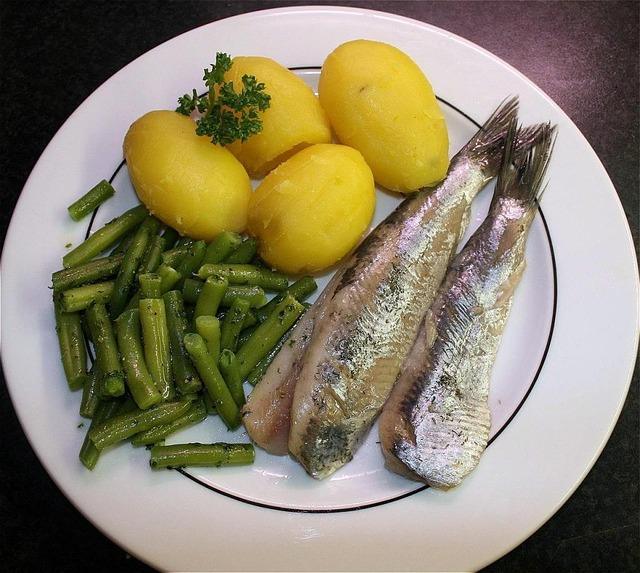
(105, 237)
(89, 454)
(82, 297)
(299, 290)
(91, 200)
(139, 381)
(150, 285)
(204, 455)
(246, 334)
(232, 324)
(155, 336)
(172, 257)
(107, 355)
(209, 328)
(246, 274)
(191, 262)
(267, 334)
(90, 272)
(90, 394)
(184, 374)
(169, 277)
(209, 405)
(244, 253)
(123, 426)
(153, 256)
(231, 373)
(211, 295)
(254, 294)
(125, 280)
(73, 351)
(213, 381)
(123, 243)
(221, 247)
(195, 415)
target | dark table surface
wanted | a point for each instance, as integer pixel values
(583, 54)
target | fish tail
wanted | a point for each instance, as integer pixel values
(524, 165)
(487, 145)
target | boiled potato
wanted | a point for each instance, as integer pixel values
(196, 187)
(312, 209)
(293, 120)
(379, 102)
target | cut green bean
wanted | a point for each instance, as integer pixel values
(139, 381)
(185, 242)
(254, 294)
(123, 243)
(89, 454)
(73, 351)
(209, 328)
(231, 373)
(209, 405)
(150, 285)
(82, 297)
(103, 238)
(246, 274)
(267, 334)
(155, 336)
(196, 414)
(246, 334)
(169, 277)
(153, 256)
(90, 395)
(91, 200)
(244, 253)
(211, 295)
(125, 281)
(203, 455)
(124, 426)
(87, 273)
(300, 290)
(184, 374)
(213, 381)
(191, 262)
(221, 247)
(172, 257)
(232, 324)
(107, 355)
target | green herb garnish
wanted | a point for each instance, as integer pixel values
(226, 115)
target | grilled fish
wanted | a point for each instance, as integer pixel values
(368, 317)
(435, 424)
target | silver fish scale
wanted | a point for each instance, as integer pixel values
(372, 318)
(447, 407)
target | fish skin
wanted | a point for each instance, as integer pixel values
(436, 422)
(366, 325)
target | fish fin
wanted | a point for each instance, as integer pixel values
(487, 145)
(524, 165)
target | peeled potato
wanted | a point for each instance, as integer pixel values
(294, 119)
(312, 209)
(379, 102)
(196, 187)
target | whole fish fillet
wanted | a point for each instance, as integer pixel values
(365, 324)
(435, 424)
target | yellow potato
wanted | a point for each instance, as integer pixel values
(312, 209)
(186, 181)
(379, 102)
(294, 119)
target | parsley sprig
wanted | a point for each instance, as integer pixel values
(226, 115)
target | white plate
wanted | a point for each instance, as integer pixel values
(560, 381)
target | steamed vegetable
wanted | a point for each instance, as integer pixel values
(294, 119)
(313, 209)
(380, 102)
(196, 187)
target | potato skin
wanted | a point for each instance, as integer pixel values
(313, 209)
(294, 119)
(379, 102)
(186, 181)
